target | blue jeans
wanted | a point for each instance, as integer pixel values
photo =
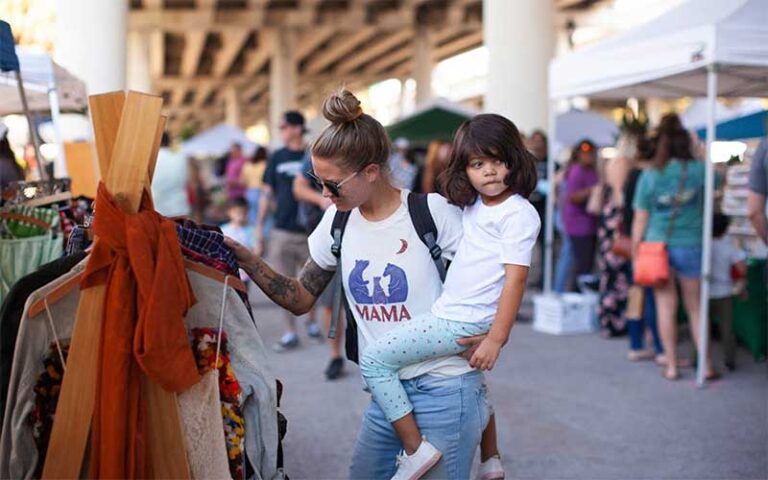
(636, 327)
(253, 195)
(452, 413)
(563, 265)
(426, 337)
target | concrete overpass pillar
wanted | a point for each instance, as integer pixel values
(520, 37)
(139, 76)
(232, 111)
(423, 64)
(91, 42)
(282, 78)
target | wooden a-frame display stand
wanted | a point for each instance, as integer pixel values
(127, 129)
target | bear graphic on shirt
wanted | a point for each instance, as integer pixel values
(382, 299)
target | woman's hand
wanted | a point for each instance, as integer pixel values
(486, 354)
(472, 343)
(243, 254)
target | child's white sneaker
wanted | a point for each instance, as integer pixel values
(415, 466)
(491, 469)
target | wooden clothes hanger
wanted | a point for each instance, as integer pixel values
(25, 218)
(65, 288)
(49, 199)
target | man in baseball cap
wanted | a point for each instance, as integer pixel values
(293, 119)
(287, 248)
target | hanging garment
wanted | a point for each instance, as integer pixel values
(47, 389)
(21, 256)
(200, 243)
(19, 456)
(248, 369)
(200, 414)
(204, 344)
(251, 367)
(78, 240)
(25, 222)
(29, 237)
(13, 307)
(147, 296)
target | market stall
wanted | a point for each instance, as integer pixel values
(216, 141)
(436, 120)
(33, 82)
(710, 49)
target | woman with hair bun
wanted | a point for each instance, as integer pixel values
(388, 277)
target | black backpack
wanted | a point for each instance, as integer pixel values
(418, 208)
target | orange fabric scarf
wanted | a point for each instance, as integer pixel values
(147, 296)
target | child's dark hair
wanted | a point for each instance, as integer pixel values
(492, 136)
(720, 223)
(259, 155)
(237, 202)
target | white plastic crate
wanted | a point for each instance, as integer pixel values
(569, 313)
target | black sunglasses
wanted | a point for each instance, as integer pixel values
(333, 187)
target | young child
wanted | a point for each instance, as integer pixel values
(490, 174)
(238, 228)
(726, 260)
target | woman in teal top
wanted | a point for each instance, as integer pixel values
(675, 184)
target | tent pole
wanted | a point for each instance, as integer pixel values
(32, 130)
(550, 204)
(60, 166)
(706, 264)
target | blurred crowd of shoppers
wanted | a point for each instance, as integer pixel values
(651, 190)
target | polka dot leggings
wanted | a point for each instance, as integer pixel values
(423, 338)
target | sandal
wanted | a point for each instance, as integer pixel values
(670, 377)
(639, 355)
(713, 376)
(661, 360)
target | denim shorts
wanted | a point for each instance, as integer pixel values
(685, 261)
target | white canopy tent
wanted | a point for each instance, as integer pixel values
(695, 116)
(48, 88)
(701, 48)
(576, 125)
(42, 79)
(216, 141)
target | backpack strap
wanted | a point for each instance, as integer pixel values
(338, 226)
(337, 233)
(423, 222)
(421, 217)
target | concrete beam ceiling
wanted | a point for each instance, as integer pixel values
(199, 48)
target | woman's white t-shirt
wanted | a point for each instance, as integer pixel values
(493, 236)
(389, 276)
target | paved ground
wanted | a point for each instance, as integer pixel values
(568, 408)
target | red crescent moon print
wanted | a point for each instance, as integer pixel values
(403, 247)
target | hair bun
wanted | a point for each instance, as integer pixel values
(342, 107)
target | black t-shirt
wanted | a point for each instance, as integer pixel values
(282, 168)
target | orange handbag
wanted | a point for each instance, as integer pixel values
(651, 264)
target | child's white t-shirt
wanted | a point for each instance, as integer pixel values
(493, 236)
(388, 274)
(724, 255)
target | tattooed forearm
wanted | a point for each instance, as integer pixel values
(314, 278)
(282, 290)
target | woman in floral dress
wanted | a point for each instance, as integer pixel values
(614, 270)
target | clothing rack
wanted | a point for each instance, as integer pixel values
(38, 193)
(127, 129)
